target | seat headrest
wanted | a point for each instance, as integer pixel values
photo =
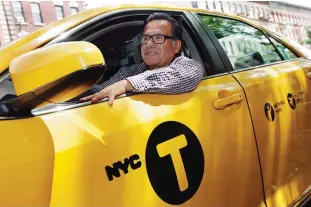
(136, 49)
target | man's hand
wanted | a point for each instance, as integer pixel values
(111, 92)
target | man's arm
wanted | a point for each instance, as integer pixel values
(123, 73)
(183, 75)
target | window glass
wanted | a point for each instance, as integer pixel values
(59, 12)
(74, 10)
(248, 47)
(286, 52)
(36, 13)
(18, 11)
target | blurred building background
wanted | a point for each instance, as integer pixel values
(18, 18)
(290, 20)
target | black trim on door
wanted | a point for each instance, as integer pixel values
(219, 50)
(212, 57)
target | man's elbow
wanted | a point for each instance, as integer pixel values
(193, 82)
(196, 79)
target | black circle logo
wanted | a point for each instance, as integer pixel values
(174, 162)
(291, 101)
(269, 111)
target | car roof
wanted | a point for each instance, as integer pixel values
(43, 35)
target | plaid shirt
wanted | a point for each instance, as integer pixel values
(182, 75)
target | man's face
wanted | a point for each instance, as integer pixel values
(159, 55)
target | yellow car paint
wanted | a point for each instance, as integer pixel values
(61, 159)
(27, 149)
(88, 139)
(283, 137)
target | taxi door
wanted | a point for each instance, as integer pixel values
(281, 117)
(278, 93)
(191, 149)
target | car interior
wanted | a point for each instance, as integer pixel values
(120, 45)
(119, 42)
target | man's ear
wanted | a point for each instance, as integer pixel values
(177, 45)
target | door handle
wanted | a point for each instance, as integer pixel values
(309, 75)
(222, 103)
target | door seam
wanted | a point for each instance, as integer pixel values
(257, 148)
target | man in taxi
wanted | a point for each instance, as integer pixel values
(163, 71)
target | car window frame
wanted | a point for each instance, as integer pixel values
(222, 52)
(129, 13)
(188, 19)
(184, 14)
(284, 45)
(208, 50)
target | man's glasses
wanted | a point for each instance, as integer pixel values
(157, 39)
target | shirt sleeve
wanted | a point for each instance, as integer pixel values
(122, 74)
(183, 75)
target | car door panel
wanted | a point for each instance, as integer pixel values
(91, 139)
(283, 131)
(276, 85)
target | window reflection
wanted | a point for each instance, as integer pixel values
(245, 46)
(286, 53)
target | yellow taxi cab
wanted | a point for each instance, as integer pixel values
(242, 138)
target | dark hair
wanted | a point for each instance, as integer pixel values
(176, 28)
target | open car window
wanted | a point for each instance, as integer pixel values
(118, 39)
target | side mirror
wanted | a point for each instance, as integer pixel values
(34, 70)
